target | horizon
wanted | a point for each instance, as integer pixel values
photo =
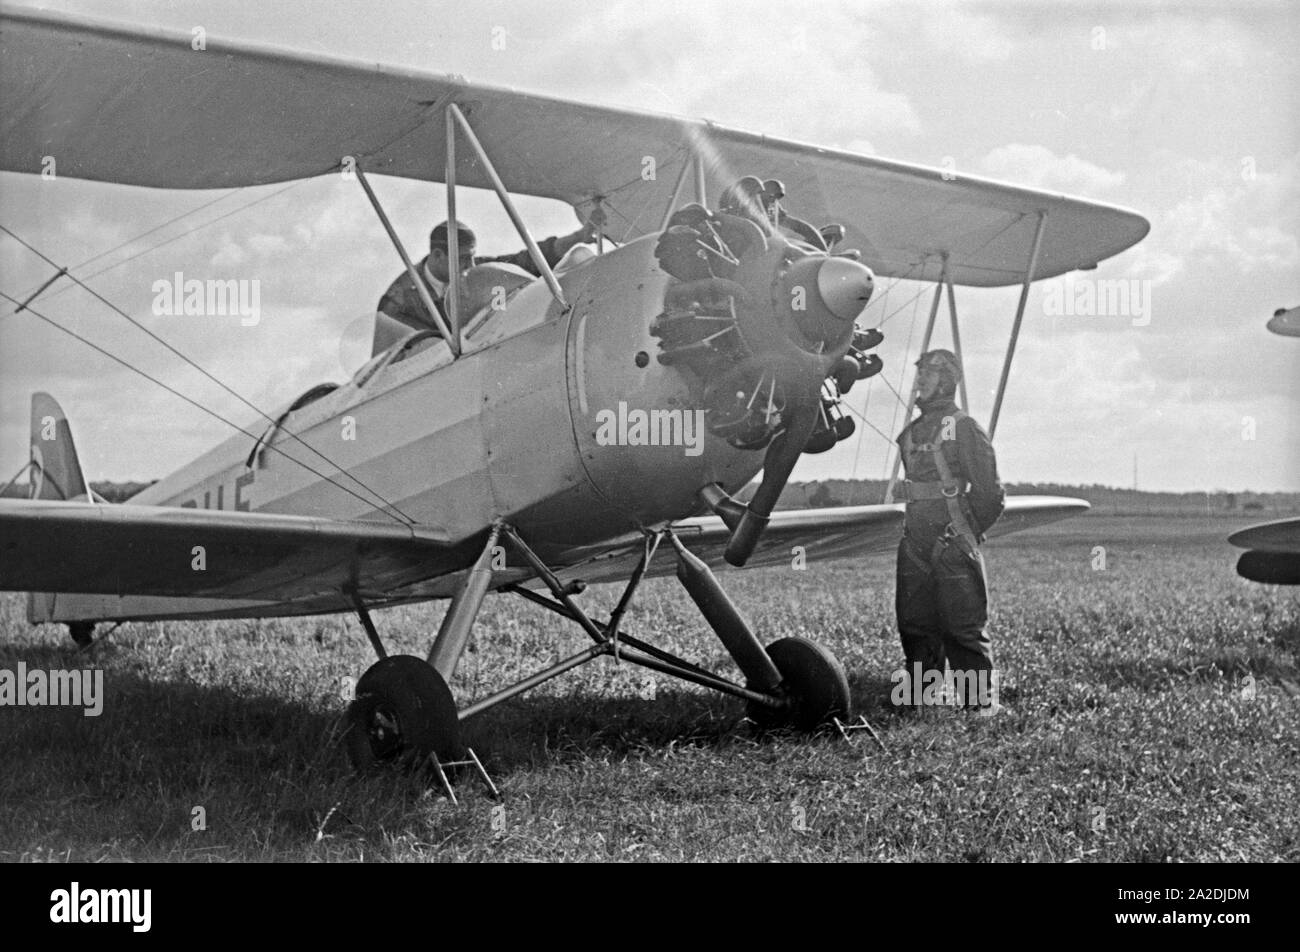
(1007, 484)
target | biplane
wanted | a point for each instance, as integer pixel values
(1272, 549)
(1285, 322)
(484, 459)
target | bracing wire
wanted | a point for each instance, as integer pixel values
(208, 410)
(109, 304)
(167, 241)
(145, 234)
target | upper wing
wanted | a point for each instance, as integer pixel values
(76, 547)
(1281, 536)
(820, 534)
(140, 106)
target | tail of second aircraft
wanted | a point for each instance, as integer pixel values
(55, 471)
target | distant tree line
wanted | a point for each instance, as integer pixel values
(113, 492)
(1108, 499)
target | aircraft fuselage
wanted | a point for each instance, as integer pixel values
(562, 423)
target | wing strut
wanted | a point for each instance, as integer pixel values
(1015, 327)
(451, 333)
(677, 194)
(534, 252)
(425, 297)
(453, 230)
(911, 397)
(956, 345)
(690, 161)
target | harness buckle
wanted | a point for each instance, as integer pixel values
(950, 494)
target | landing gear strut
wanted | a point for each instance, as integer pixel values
(404, 710)
(793, 682)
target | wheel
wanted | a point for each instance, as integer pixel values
(813, 680)
(403, 711)
(82, 632)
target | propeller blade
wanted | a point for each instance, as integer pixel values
(782, 454)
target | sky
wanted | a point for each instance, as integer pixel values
(1186, 113)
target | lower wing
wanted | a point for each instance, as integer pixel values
(798, 535)
(81, 547)
(125, 561)
(1273, 552)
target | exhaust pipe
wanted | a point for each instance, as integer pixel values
(748, 522)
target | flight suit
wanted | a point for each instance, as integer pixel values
(941, 596)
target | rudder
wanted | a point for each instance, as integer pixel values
(55, 471)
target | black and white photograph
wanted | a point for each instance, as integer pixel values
(629, 432)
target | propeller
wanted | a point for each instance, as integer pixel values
(769, 329)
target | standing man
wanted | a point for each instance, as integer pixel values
(402, 301)
(953, 497)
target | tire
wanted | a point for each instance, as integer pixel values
(82, 632)
(813, 680)
(403, 712)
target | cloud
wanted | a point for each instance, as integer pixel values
(1216, 225)
(230, 255)
(1186, 44)
(1039, 167)
(1148, 262)
(955, 32)
(269, 245)
(814, 81)
(1229, 215)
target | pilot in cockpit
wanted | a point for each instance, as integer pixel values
(402, 301)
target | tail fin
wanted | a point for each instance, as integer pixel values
(56, 472)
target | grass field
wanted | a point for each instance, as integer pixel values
(1134, 732)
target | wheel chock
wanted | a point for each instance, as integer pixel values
(440, 766)
(861, 724)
